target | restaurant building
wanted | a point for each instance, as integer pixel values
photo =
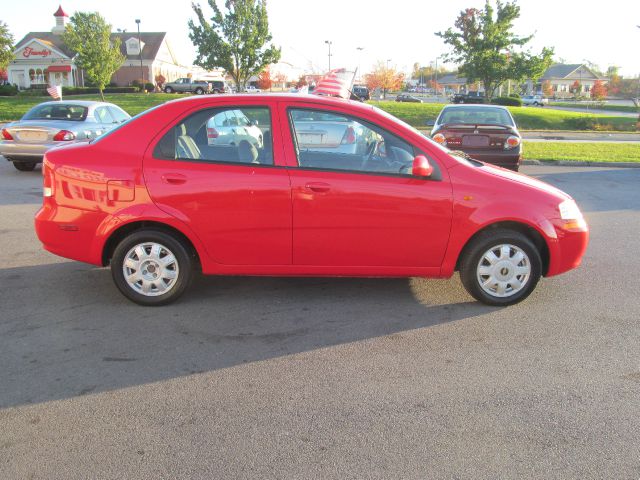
(42, 58)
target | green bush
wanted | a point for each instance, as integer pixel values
(508, 101)
(89, 90)
(8, 90)
(514, 95)
(149, 87)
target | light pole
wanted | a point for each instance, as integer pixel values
(140, 53)
(329, 42)
(384, 92)
(360, 49)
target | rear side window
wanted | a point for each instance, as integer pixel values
(118, 115)
(103, 115)
(227, 135)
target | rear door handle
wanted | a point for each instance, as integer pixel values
(174, 178)
(318, 187)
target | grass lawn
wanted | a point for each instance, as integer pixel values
(12, 108)
(527, 118)
(605, 106)
(416, 114)
(582, 151)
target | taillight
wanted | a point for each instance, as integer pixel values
(6, 135)
(512, 142)
(47, 179)
(440, 138)
(212, 132)
(349, 136)
(64, 136)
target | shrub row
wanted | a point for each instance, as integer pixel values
(88, 90)
(508, 101)
(8, 90)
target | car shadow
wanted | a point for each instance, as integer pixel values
(68, 332)
(596, 189)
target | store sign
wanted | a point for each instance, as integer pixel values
(30, 52)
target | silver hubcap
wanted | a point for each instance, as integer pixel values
(503, 270)
(150, 269)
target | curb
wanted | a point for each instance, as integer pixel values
(567, 163)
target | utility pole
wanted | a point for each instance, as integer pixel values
(140, 53)
(329, 42)
(360, 49)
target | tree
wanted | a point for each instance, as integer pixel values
(576, 88)
(599, 90)
(547, 88)
(384, 78)
(264, 79)
(89, 35)
(235, 40)
(486, 49)
(6, 46)
(302, 81)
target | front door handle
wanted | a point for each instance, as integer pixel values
(174, 178)
(318, 187)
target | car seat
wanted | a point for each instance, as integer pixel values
(266, 156)
(185, 145)
(247, 153)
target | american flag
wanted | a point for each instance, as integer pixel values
(55, 91)
(336, 83)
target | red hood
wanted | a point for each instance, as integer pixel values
(526, 180)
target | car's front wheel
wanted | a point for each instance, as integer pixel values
(500, 267)
(199, 91)
(152, 267)
(24, 166)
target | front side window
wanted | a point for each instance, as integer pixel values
(332, 141)
(229, 135)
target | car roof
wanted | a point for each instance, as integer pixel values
(309, 98)
(475, 105)
(82, 103)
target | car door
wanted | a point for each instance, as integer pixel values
(235, 197)
(356, 203)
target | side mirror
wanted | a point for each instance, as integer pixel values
(421, 167)
(430, 123)
(254, 123)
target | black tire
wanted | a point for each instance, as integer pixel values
(183, 259)
(199, 91)
(472, 257)
(24, 166)
(168, 90)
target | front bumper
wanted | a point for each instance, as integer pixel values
(567, 250)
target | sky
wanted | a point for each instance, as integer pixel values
(401, 31)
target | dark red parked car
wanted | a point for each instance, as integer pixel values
(485, 132)
(331, 187)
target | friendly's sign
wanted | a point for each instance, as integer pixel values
(30, 52)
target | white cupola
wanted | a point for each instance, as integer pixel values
(61, 21)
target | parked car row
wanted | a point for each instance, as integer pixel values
(327, 187)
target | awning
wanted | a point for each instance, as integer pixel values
(59, 68)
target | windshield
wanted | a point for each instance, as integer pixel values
(57, 111)
(476, 115)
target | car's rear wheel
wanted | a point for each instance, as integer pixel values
(500, 267)
(24, 166)
(151, 267)
(168, 90)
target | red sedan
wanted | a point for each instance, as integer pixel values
(332, 187)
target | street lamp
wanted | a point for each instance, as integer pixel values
(140, 53)
(329, 42)
(360, 49)
(384, 91)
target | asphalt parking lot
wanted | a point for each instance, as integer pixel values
(323, 378)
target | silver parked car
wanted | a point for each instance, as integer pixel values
(230, 127)
(535, 100)
(52, 124)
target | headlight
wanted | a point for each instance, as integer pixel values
(572, 216)
(569, 210)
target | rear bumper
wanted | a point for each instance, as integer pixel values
(63, 233)
(26, 151)
(503, 158)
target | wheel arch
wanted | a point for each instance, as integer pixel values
(527, 230)
(121, 232)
